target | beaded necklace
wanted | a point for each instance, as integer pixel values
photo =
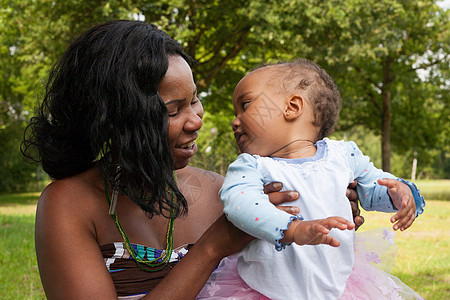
(157, 263)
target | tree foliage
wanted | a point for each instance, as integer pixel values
(375, 51)
(389, 58)
(33, 34)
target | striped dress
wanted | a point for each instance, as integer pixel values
(130, 280)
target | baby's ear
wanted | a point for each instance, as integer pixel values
(294, 107)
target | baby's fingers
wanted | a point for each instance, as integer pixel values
(329, 240)
(339, 223)
(333, 242)
(320, 229)
(408, 223)
(325, 239)
(403, 219)
(404, 223)
(387, 182)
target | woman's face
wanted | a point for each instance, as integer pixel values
(179, 93)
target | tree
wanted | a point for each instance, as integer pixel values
(374, 50)
(32, 35)
(226, 39)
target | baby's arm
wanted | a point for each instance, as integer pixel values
(249, 209)
(382, 191)
(315, 232)
(246, 205)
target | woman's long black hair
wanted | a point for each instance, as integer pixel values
(102, 100)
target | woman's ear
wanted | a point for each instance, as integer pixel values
(294, 107)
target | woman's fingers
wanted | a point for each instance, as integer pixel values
(351, 194)
(273, 187)
(353, 184)
(276, 197)
(293, 210)
(355, 208)
(359, 220)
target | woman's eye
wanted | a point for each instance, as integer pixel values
(173, 114)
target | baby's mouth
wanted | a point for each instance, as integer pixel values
(237, 136)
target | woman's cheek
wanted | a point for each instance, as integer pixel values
(172, 134)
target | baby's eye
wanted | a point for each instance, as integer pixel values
(244, 105)
(195, 100)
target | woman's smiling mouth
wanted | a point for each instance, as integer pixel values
(187, 145)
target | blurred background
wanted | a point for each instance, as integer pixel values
(389, 58)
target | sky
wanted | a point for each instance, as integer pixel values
(444, 4)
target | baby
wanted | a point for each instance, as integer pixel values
(284, 113)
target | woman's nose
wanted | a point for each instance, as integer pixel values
(195, 122)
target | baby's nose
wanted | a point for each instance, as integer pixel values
(235, 123)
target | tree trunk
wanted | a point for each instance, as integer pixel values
(414, 168)
(386, 125)
(386, 132)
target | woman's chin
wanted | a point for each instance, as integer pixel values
(180, 165)
(181, 156)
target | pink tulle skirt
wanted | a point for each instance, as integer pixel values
(370, 278)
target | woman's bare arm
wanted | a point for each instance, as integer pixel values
(192, 272)
(70, 263)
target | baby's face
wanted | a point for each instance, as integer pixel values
(259, 123)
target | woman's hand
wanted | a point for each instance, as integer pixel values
(352, 196)
(191, 273)
(276, 197)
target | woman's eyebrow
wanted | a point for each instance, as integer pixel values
(174, 101)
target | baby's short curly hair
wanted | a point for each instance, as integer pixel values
(321, 91)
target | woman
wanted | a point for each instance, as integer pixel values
(119, 115)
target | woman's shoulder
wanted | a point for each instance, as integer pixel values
(200, 186)
(74, 198)
(199, 176)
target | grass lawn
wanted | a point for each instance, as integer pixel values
(434, 189)
(19, 275)
(422, 261)
(423, 255)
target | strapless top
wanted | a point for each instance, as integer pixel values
(130, 280)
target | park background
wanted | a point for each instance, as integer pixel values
(389, 58)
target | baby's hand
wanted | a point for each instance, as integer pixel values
(315, 232)
(403, 200)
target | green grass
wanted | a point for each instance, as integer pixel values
(19, 275)
(422, 260)
(434, 189)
